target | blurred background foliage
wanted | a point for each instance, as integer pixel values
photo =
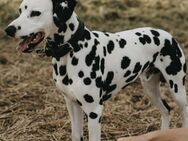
(8, 10)
(116, 15)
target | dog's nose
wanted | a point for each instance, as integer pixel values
(11, 31)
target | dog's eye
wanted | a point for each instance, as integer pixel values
(35, 13)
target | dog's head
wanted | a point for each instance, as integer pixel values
(38, 20)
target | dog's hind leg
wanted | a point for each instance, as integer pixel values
(76, 116)
(181, 100)
(177, 88)
(172, 65)
(151, 88)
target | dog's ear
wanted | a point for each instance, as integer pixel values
(72, 4)
(63, 9)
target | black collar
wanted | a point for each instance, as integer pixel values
(52, 49)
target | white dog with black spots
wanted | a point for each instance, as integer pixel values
(91, 66)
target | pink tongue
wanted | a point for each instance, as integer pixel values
(22, 46)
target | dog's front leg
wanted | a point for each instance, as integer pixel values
(94, 124)
(76, 115)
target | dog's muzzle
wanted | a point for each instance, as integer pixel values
(29, 42)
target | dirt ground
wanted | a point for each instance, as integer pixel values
(31, 109)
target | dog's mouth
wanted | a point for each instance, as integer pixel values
(28, 43)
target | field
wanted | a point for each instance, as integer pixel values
(31, 108)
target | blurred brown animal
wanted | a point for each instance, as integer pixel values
(179, 134)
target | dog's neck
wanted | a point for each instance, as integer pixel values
(65, 38)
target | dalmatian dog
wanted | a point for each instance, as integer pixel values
(89, 67)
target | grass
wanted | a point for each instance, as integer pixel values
(31, 109)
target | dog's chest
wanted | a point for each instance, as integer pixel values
(61, 77)
(69, 76)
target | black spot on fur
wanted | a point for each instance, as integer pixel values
(81, 139)
(70, 81)
(172, 50)
(62, 70)
(107, 86)
(141, 39)
(81, 74)
(106, 97)
(110, 47)
(86, 44)
(104, 51)
(71, 26)
(55, 69)
(155, 33)
(96, 64)
(71, 54)
(96, 34)
(125, 62)
(155, 57)
(93, 115)
(99, 82)
(125, 86)
(127, 73)
(166, 105)
(122, 43)
(130, 79)
(93, 75)
(145, 66)
(79, 103)
(88, 98)
(35, 13)
(66, 80)
(156, 41)
(109, 77)
(101, 101)
(137, 67)
(74, 61)
(87, 81)
(91, 56)
(175, 88)
(101, 92)
(138, 33)
(171, 83)
(102, 65)
(147, 39)
(87, 35)
(106, 34)
(100, 119)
